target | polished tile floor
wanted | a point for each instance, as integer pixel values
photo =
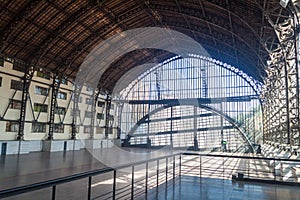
(36, 167)
(216, 189)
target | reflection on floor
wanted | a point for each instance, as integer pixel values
(215, 183)
(192, 187)
(19, 170)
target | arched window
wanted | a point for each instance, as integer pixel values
(196, 102)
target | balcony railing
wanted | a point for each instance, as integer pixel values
(134, 180)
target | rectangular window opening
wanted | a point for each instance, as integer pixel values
(16, 85)
(60, 111)
(100, 116)
(12, 127)
(38, 128)
(15, 104)
(87, 129)
(41, 91)
(42, 74)
(40, 107)
(18, 66)
(62, 95)
(64, 81)
(59, 128)
(101, 104)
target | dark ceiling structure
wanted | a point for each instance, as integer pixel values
(58, 34)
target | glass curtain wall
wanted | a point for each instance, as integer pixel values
(191, 102)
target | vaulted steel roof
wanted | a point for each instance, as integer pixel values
(59, 34)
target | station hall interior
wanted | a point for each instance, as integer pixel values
(149, 99)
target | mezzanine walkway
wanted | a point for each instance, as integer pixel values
(206, 178)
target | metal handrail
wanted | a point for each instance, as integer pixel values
(54, 182)
(251, 174)
(241, 157)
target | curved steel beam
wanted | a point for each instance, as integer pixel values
(91, 40)
(237, 73)
(220, 113)
(201, 34)
(242, 51)
(222, 28)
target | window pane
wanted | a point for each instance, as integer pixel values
(38, 128)
(76, 129)
(16, 85)
(15, 104)
(100, 116)
(101, 104)
(87, 129)
(43, 75)
(64, 81)
(60, 110)
(110, 130)
(62, 95)
(12, 127)
(111, 117)
(41, 91)
(18, 66)
(59, 128)
(40, 107)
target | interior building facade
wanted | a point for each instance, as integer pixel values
(200, 86)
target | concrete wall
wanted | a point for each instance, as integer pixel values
(24, 147)
(19, 147)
